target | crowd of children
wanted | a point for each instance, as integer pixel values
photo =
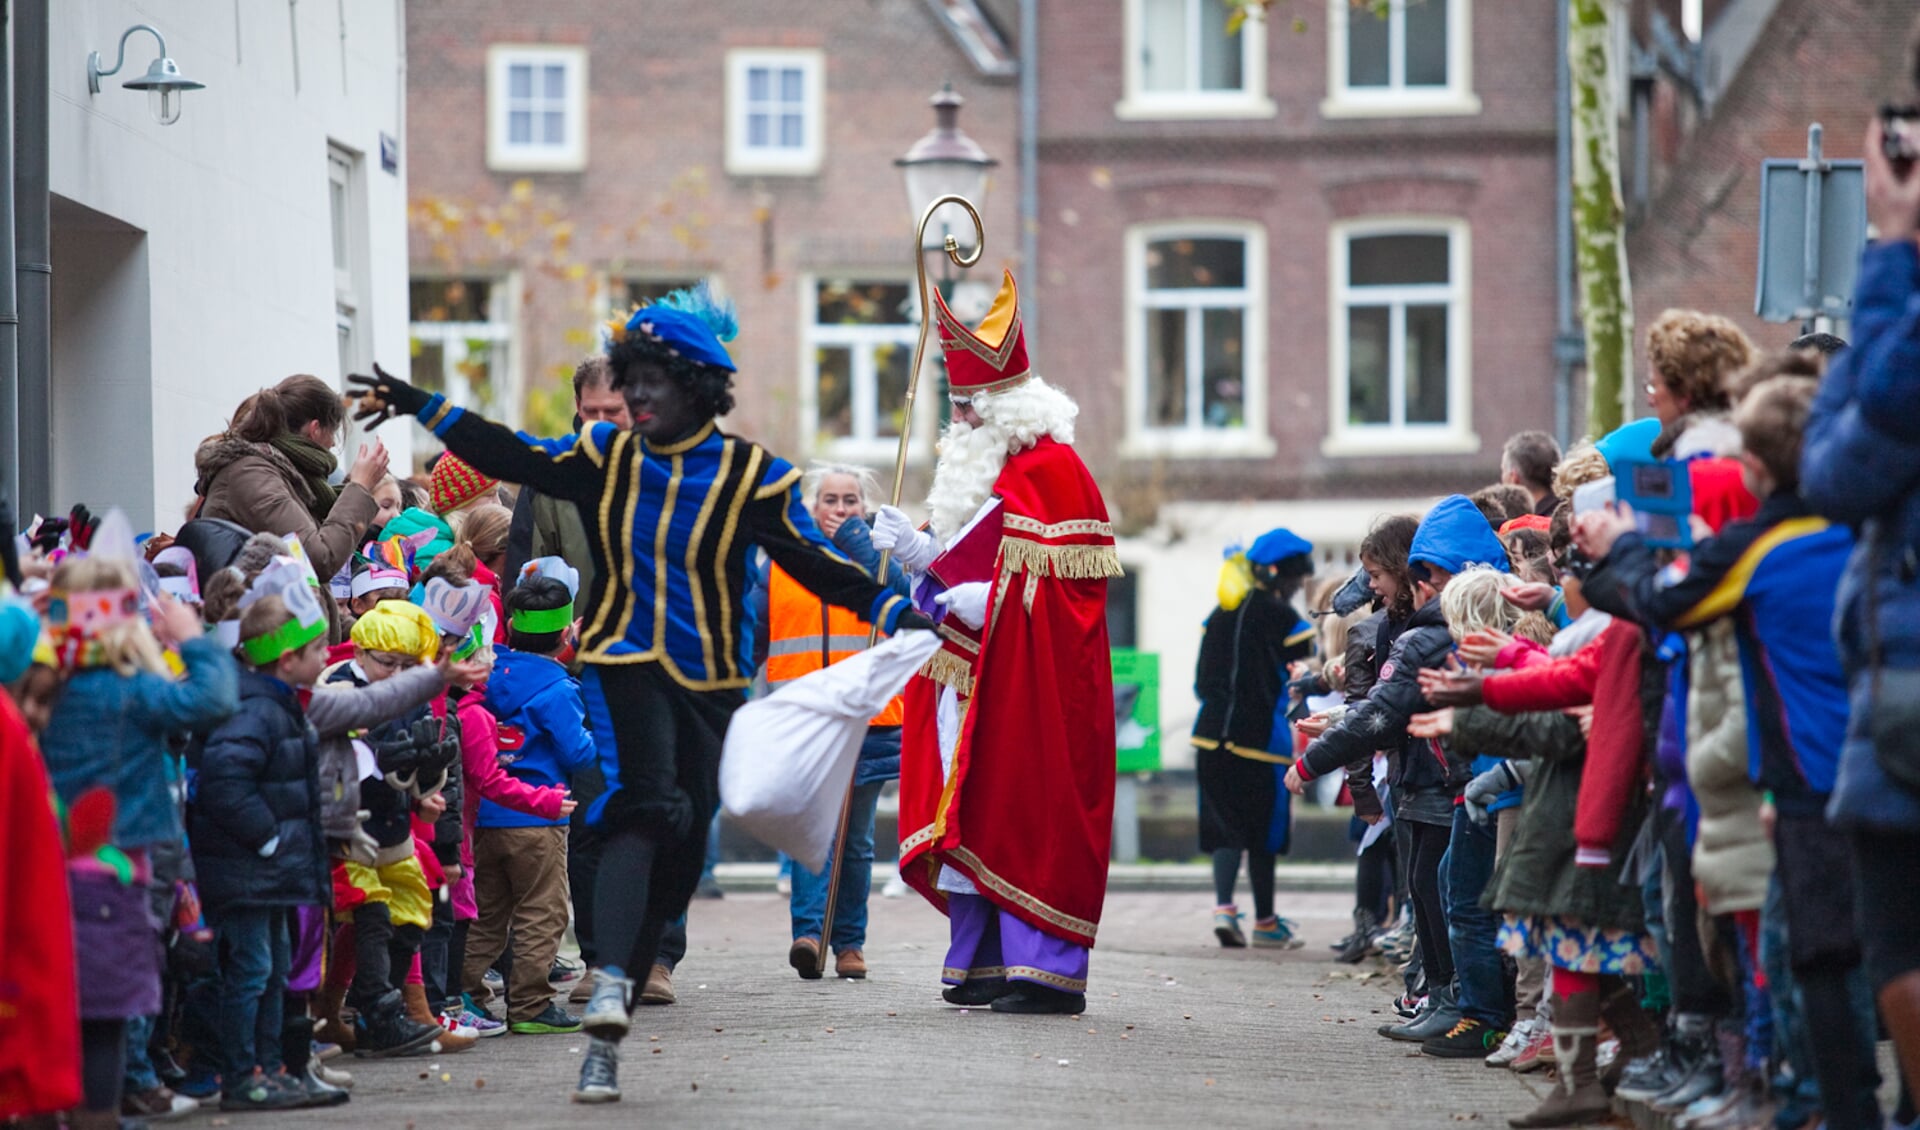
(1611, 749)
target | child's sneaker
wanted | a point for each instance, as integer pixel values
(1278, 933)
(565, 971)
(482, 1026)
(609, 1010)
(554, 1019)
(260, 1091)
(599, 1073)
(199, 1083)
(1226, 927)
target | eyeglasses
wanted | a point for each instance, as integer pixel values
(390, 662)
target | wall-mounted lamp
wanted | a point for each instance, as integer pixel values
(163, 81)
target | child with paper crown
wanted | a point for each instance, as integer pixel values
(258, 842)
(112, 779)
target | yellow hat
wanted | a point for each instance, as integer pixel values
(398, 627)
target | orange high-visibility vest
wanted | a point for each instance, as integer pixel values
(805, 633)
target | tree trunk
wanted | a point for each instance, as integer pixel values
(1599, 216)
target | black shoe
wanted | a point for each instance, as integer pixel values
(385, 1030)
(1469, 1039)
(1360, 943)
(260, 1091)
(565, 971)
(554, 1020)
(978, 992)
(1039, 1000)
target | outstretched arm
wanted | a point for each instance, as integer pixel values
(781, 525)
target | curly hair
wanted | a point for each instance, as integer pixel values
(1582, 465)
(1386, 547)
(1695, 353)
(712, 388)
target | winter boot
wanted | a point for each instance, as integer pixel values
(1703, 1075)
(1715, 1107)
(386, 1030)
(327, 1019)
(296, 1053)
(417, 1011)
(1361, 942)
(1685, 1044)
(1576, 1096)
(1442, 1014)
(1639, 1034)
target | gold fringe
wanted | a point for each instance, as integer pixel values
(949, 670)
(1067, 562)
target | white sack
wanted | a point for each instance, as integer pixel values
(789, 757)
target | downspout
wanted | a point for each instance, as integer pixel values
(1569, 347)
(9, 303)
(33, 265)
(1030, 157)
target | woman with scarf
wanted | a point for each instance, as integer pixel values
(268, 472)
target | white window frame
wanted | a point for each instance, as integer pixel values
(864, 446)
(452, 337)
(1196, 441)
(570, 156)
(1250, 101)
(747, 160)
(347, 234)
(1456, 435)
(1397, 100)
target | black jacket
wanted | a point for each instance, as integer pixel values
(259, 778)
(1379, 721)
(1241, 678)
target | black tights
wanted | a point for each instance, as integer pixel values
(1429, 909)
(382, 954)
(1374, 878)
(103, 1063)
(1843, 1053)
(1226, 872)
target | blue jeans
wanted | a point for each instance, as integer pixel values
(140, 1075)
(254, 953)
(1472, 931)
(809, 901)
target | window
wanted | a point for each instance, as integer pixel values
(1403, 57)
(462, 346)
(1183, 62)
(349, 259)
(1400, 350)
(1197, 340)
(774, 112)
(859, 351)
(536, 108)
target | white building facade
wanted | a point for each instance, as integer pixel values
(262, 234)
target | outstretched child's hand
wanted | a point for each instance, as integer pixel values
(1295, 783)
(432, 807)
(1453, 685)
(1533, 596)
(1438, 724)
(568, 805)
(1483, 648)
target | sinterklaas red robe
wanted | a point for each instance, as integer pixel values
(1027, 814)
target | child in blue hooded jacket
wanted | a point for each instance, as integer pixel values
(519, 859)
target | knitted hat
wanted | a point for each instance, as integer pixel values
(455, 483)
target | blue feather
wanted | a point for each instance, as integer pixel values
(719, 313)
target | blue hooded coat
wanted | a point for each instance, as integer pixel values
(543, 732)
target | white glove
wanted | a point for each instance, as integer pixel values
(914, 549)
(361, 847)
(267, 849)
(968, 602)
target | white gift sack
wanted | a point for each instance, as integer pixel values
(789, 756)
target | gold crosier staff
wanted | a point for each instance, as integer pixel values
(954, 253)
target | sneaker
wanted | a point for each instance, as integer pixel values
(330, 1075)
(157, 1104)
(385, 1029)
(1515, 1043)
(895, 888)
(481, 1026)
(608, 1011)
(495, 982)
(600, 1071)
(1226, 927)
(313, 1090)
(1279, 934)
(565, 971)
(1468, 1039)
(199, 1083)
(554, 1019)
(260, 1091)
(1409, 1004)
(1537, 1054)
(454, 1026)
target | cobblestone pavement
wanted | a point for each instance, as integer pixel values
(1177, 1033)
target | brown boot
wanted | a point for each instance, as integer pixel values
(328, 1027)
(804, 956)
(449, 1041)
(659, 986)
(1638, 1032)
(851, 964)
(1576, 1096)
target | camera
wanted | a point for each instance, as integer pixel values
(1900, 135)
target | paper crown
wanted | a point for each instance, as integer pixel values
(455, 609)
(992, 358)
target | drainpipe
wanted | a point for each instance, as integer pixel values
(9, 309)
(1569, 345)
(33, 264)
(1030, 156)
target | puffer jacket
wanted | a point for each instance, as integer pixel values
(259, 788)
(1860, 465)
(1732, 856)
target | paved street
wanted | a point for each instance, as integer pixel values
(1177, 1032)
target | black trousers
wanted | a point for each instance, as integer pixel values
(1429, 908)
(659, 804)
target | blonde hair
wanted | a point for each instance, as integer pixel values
(485, 528)
(128, 647)
(1583, 464)
(1472, 603)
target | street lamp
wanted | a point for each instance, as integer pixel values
(945, 161)
(163, 81)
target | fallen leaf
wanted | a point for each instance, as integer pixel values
(696, 1086)
(1124, 1036)
(1187, 1016)
(893, 1014)
(656, 1051)
(1209, 1083)
(829, 1031)
(479, 1084)
(423, 1075)
(719, 1029)
(654, 1039)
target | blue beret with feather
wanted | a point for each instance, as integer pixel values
(690, 323)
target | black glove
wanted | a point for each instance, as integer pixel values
(386, 397)
(912, 620)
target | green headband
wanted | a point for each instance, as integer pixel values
(472, 643)
(263, 650)
(539, 622)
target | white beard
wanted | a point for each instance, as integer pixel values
(970, 460)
